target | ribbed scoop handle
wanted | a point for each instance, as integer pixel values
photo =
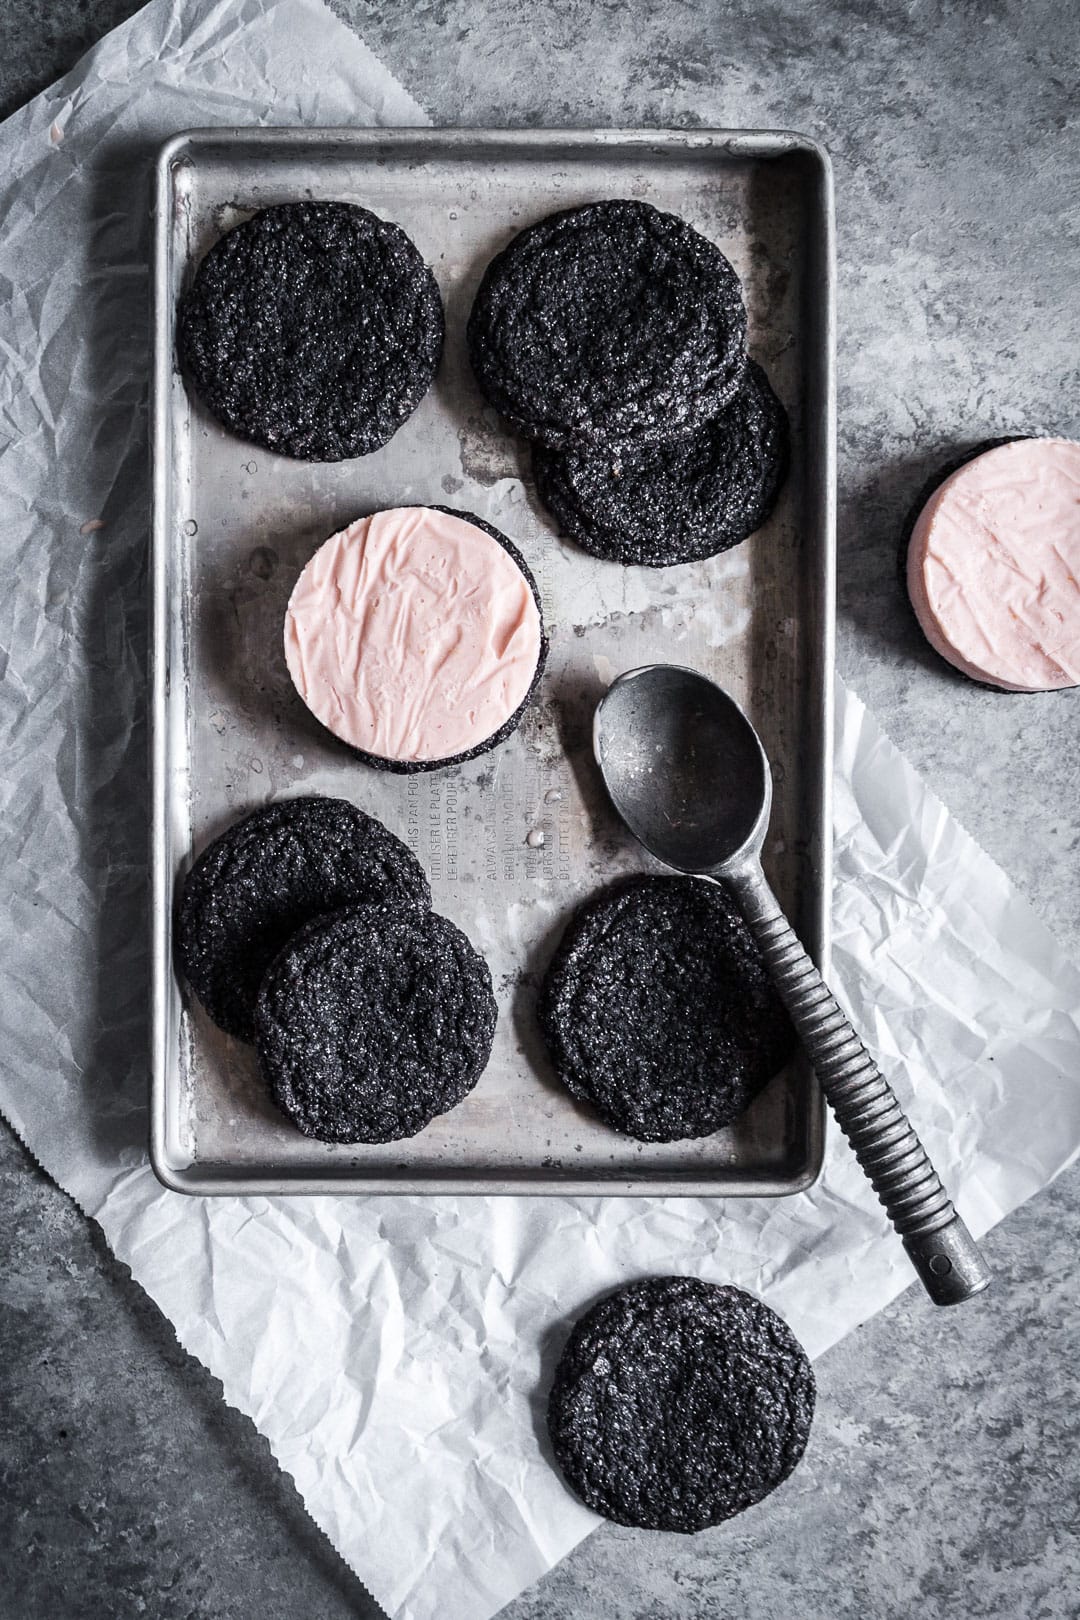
(940, 1246)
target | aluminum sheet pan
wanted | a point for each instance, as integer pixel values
(233, 525)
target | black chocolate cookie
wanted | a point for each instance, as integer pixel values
(373, 1021)
(678, 1403)
(658, 1010)
(608, 324)
(674, 503)
(268, 875)
(314, 329)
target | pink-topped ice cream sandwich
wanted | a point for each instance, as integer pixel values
(416, 636)
(993, 566)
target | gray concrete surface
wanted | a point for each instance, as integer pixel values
(944, 1472)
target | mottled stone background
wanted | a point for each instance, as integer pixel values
(944, 1472)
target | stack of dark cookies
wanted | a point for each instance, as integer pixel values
(614, 337)
(307, 929)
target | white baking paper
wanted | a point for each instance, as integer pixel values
(395, 1352)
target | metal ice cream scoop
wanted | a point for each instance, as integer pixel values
(687, 773)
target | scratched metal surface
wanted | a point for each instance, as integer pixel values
(233, 526)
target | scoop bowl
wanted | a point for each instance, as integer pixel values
(687, 773)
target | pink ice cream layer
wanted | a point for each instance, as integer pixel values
(412, 635)
(993, 566)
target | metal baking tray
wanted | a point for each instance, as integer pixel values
(233, 525)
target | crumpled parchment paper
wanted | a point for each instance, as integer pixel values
(395, 1352)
